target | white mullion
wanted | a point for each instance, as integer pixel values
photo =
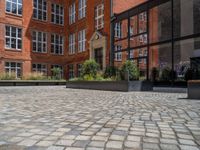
(17, 7)
(45, 34)
(16, 38)
(11, 6)
(42, 42)
(37, 40)
(10, 36)
(54, 47)
(37, 8)
(54, 43)
(42, 9)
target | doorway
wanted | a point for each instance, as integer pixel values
(98, 56)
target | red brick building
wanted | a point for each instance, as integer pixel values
(37, 35)
(40, 34)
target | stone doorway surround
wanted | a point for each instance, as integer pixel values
(98, 41)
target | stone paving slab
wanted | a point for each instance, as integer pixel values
(56, 118)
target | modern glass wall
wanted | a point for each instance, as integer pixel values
(161, 35)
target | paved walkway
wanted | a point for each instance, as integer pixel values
(56, 118)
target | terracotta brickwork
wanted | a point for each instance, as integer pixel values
(28, 24)
(27, 57)
(122, 5)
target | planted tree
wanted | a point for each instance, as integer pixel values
(89, 70)
(56, 73)
(132, 70)
(154, 74)
(110, 72)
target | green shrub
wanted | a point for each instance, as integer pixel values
(173, 74)
(154, 74)
(132, 70)
(168, 74)
(7, 76)
(110, 72)
(35, 76)
(89, 69)
(189, 74)
(165, 74)
(88, 77)
(56, 72)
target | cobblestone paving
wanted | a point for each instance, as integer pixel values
(56, 118)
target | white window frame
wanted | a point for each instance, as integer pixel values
(118, 53)
(71, 71)
(57, 16)
(132, 54)
(42, 10)
(43, 50)
(82, 40)
(72, 43)
(11, 38)
(81, 9)
(12, 4)
(9, 69)
(72, 13)
(43, 68)
(79, 67)
(59, 45)
(118, 30)
(99, 18)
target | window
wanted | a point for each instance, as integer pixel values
(61, 69)
(79, 67)
(145, 52)
(72, 43)
(81, 9)
(118, 32)
(140, 52)
(40, 10)
(131, 54)
(99, 17)
(72, 13)
(13, 38)
(131, 30)
(57, 14)
(14, 68)
(57, 43)
(41, 68)
(143, 39)
(143, 16)
(140, 60)
(39, 41)
(71, 71)
(118, 54)
(14, 6)
(81, 41)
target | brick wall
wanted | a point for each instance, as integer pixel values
(27, 57)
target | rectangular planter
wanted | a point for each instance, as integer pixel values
(124, 86)
(194, 89)
(30, 83)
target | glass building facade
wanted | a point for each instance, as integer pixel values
(159, 34)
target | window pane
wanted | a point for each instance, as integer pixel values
(161, 59)
(160, 23)
(186, 17)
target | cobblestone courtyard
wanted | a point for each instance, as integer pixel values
(56, 118)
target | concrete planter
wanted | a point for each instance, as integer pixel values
(194, 89)
(31, 82)
(124, 86)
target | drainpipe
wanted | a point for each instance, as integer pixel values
(111, 34)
